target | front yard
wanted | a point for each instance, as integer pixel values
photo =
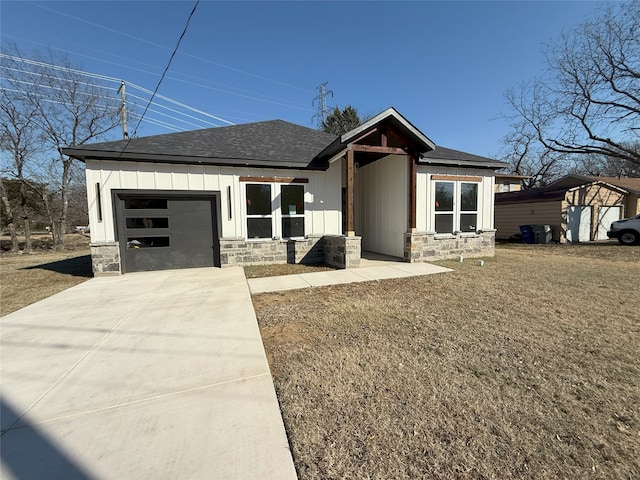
(527, 367)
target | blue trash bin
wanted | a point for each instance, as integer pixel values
(526, 233)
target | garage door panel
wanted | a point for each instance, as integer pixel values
(167, 233)
(579, 224)
(607, 216)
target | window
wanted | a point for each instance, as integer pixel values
(275, 210)
(138, 222)
(145, 203)
(148, 242)
(259, 212)
(468, 207)
(456, 207)
(292, 207)
(444, 207)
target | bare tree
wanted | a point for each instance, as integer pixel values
(588, 102)
(4, 196)
(19, 139)
(527, 156)
(70, 110)
(601, 165)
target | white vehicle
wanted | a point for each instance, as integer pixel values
(627, 231)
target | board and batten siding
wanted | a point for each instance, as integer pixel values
(510, 216)
(381, 205)
(323, 209)
(425, 195)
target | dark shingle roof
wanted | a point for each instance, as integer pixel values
(448, 156)
(274, 143)
(556, 190)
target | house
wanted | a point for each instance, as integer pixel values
(577, 207)
(506, 182)
(275, 192)
(632, 187)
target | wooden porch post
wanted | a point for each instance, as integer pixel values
(350, 228)
(413, 177)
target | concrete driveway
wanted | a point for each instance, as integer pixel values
(148, 375)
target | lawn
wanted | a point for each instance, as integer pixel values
(527, 367)
(29, 277)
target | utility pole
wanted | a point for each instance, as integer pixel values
(123, 111)
(323, 110)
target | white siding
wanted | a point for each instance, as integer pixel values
(322, 199)
(425, 195)
(381, 203)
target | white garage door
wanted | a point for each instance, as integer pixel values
(579, 224)
(606, 216)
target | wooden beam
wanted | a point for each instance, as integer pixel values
(456, 178)
(374, 149)
(413, 181)
(350, 179)
(365, 135)
(274, 179)
(383, 137)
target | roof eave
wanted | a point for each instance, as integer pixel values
(84, 155)
(496, 164)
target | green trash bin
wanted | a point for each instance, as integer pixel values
(542, 233)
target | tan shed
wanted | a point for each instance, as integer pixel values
(579, 209)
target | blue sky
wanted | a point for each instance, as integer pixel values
(444, 65)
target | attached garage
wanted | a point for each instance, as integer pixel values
(159, 231)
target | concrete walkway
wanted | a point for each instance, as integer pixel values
(368, 271)
(158, 375)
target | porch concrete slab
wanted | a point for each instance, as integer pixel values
(146, 375)
(379, 270)
(332, 277)
(277, 284)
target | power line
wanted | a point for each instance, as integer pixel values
(167, 48)
(184, 31)
(267, 98)
(106, 78)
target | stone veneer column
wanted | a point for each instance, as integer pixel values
(341, 251)
(105, 258)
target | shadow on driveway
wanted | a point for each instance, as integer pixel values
(76, 266)
(27, 452)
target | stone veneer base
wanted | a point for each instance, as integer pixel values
(335, 250)
(425, 247)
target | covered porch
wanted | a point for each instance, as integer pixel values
(378, 162)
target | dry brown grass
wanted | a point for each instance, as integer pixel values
(527, 367)
(261, 271)
(29, 277)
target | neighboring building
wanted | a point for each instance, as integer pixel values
(578, 208)
(271, 192)
(507, 182)
(632, 187)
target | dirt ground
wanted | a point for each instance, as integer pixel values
(29, 277)
(527, 367)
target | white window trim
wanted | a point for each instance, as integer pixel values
(276, 212)
(246, 215)
(457, 191)
(296, 215)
